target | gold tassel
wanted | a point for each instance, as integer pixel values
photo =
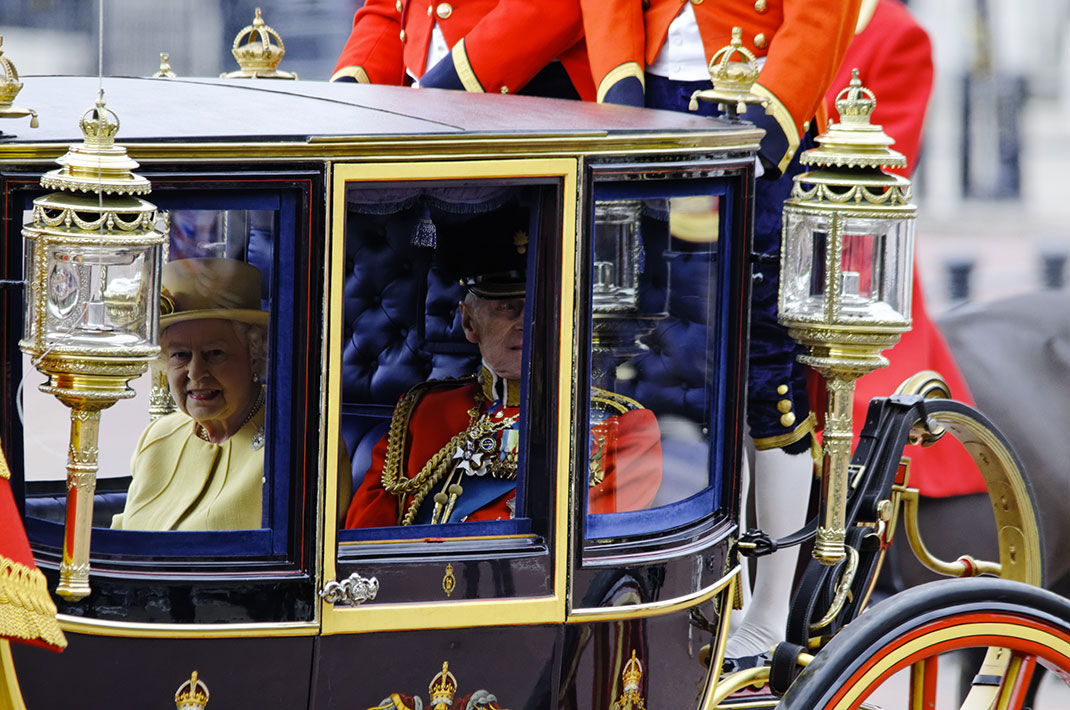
(26, 609)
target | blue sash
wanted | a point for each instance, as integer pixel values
(478, 492)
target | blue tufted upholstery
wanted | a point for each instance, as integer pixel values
(47, 500)
(402, 327)
(669, 378)
(401, 323)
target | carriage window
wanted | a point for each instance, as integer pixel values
(435, 357)
(186, 453)
(654, 375)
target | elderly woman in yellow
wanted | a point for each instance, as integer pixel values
(202, 467)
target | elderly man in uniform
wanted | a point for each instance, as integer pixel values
(656, 53)
(496, 46)
(450, 454)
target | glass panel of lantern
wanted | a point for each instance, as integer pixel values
(873, 270)
(96, 291)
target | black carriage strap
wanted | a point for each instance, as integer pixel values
(757, 543)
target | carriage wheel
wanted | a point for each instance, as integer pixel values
(1021, 626)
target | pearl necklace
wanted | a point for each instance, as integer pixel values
(202, 434)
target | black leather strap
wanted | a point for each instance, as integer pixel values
(784, 667)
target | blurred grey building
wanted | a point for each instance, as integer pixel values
(61, 36)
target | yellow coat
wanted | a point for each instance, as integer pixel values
(181, 482)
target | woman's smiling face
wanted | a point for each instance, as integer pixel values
(210, 372)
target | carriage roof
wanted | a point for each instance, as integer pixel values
(261, 111)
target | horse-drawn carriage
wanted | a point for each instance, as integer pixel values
(359, 206)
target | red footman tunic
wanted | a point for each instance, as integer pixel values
(495, 46)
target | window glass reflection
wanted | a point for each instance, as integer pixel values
(196, 464)
(437, 319)
(653, 354)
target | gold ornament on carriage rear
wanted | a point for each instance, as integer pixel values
(164, 72)
(10, 86)
(258, 49)
(732, 80)
(191, 695)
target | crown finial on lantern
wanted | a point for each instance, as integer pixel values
(10, 86)
(854, 142)
(855, 103)
(97, 164)
(258, 49)
(99, 124)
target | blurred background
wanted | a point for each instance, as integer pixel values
(994, 218)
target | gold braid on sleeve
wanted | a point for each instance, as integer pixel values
(394, 481)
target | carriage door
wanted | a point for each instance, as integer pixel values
(449, 516)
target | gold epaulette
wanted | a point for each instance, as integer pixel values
(394, 479)
(612, 401)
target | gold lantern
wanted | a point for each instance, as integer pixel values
(258, 49)
(93, 255)
(845, 279)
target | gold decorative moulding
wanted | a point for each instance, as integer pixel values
(258, 49)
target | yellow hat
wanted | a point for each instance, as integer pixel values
(211, 288)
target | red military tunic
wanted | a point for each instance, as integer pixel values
(628, 448)
(894, 58)
(497, 45)
(803, 42)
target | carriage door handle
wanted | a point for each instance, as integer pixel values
(352, 591)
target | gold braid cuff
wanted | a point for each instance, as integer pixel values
(357, 73)
(26, 609)
(465, 73)
(780, 113)
(779, 442)
(621, 71)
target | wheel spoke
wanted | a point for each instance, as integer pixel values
(923, 675)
